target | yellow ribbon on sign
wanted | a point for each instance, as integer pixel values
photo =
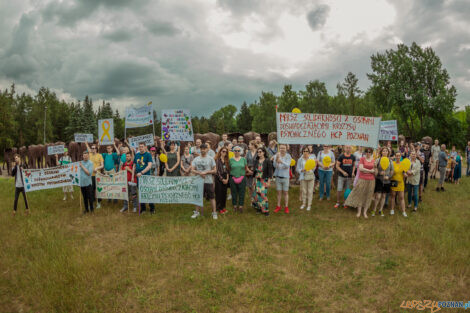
(106, 131)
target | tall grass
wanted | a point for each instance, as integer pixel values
(326, 260)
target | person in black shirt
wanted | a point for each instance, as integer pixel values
(427, 158)
(345, 167)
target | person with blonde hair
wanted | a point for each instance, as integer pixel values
(382, 180)
(306, 178)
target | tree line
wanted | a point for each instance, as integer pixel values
(408, 84)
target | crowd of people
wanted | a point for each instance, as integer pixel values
(364, 178)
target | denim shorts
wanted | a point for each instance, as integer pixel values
(282, 183)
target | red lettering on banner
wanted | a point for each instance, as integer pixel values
(358, 136)
(287, 117)
(364, 120)
(336, 135)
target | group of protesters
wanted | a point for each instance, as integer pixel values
(364, 178)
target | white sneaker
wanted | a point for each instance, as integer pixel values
(124, 209)
(98, 205)
(404, 214)
(65, 198)
(229, 197)
(195, 214)
(309, 208)
(214, 215)
(135, 210)
(392, 212)
(302, 207)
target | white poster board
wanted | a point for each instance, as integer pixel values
(177, 125)
(106, 131)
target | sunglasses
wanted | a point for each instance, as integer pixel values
(223, 151)
(237, 150)
(260, 151)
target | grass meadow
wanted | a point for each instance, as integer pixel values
(326, 260)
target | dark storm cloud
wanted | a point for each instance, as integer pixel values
(318, 16)
(132, 52)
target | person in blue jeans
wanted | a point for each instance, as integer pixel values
(413, 178)
(142, 166)
(325, 171)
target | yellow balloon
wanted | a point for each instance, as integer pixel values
(405, 165)
(231, 155)
(292, 162)
(384, 163)
(163, 158)
(309, 165)
(326, 161)
(296, 110)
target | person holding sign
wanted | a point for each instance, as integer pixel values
(398, 183)
(345, 165)
(205, 167)
(412, 181)
(143, 166)
(306, 169)
(263, 173)
(97, 160)
(131, 183)
(326, 162)
(384, 172)
(361, 195)
(111, 159)
(282, 163)
(64, 160)
(86, 170)
(17, 172)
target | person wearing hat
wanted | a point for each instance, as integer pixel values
(64, 160)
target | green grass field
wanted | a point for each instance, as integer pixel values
(326, 260)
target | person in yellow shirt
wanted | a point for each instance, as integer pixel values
(398, 188)
(97, 160)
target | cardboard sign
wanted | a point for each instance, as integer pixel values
(183, 189)
(111, 186)
(139, 117)
(83, 138)
(309, 128)
(134, 141)
(52, 150)
(388, 130)
(106, 131)
(176, 125)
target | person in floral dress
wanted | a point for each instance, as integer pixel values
(263, 173)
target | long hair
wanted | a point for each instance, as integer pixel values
(219, 155)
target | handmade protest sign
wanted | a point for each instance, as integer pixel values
(183, 189)
(139, 117)
(106, 131)
(310, 128)
(134, 141)
(83, 138)
(111, 186)
(59, 149)
(47, 178)
(75, 173)
(176, 125)
(388, 130)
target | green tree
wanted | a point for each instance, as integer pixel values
(315, 98)
(89, 117)
(288, 100)
(411, 82)
(223, 120)
(244, 119)
(264, 113)
(351, 91)
(7, 118)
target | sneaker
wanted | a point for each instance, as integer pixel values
(327, 199)
(98, 205)
(336, 205)
(372, 214)
(135, 210)
(404, 214)
(442, 189)
(309, 208)
(214, 215)
(381, 213)
(229, 197)
(278, 208)
(152, 212)
(286, 210)
(124, 209)
(345, 206)
(65, 198)
(437, 189)
(392, 212)
(302, 207)
(415, 210)
(195, 214)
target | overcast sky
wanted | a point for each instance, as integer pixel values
(204, 54)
